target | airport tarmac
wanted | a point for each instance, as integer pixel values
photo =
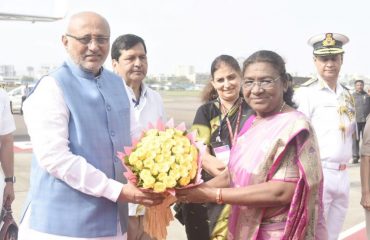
(176, 231)
(181, 109)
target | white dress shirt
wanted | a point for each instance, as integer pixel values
(321, 105)
(149, 109)
(46, 116)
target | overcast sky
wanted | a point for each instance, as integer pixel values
(194, 32)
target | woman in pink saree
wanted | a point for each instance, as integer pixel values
(274, 177)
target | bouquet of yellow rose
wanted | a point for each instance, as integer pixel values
(164, 158)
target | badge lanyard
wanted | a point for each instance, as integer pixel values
(228, 124)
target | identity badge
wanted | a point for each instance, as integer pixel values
(222, 151)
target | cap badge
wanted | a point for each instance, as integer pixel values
(329, 40)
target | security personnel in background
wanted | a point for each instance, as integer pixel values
(362, 104)
(330, 107)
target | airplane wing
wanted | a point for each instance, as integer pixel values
(60, 11)
(25, 17)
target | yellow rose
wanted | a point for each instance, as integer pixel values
(146, 140)
(179, 158)
(170, 131)
(193, 171)
(171, 160)
(178, 149)
(166, 146)
(139, 144)
(184, 172)
(175, 174)
(170, 182)
(162, 138)
(150, 155)
(188, 158)
(164, 167)
(194, 152)
(186, 165)
(145, 174)
(162, 176)
(151, 132)
(175, 166)
(138, 165)
(132, 158)
(159, 158)
(143, 140)
(153, 145)
(164, 135)
(186, 149)
(179, 132)
(159, 187)
(149, 183)
(184, 181)
(148, 179)
(158, 150)
(154, 170)
(185, 142)
(166, 154)
(148, 163)
(177, 140)
(141, 153)
(184, 160)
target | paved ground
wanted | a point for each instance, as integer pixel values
(176, 231)
(181, 109)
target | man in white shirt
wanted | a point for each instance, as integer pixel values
(7, 126)
(330, 107)
(78, 118)
(130, 62)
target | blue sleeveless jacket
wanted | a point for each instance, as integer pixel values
(99, 126)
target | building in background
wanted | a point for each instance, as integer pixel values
(7, 71)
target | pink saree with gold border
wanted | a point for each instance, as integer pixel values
(281, 147)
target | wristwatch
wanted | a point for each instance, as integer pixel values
(10, 179)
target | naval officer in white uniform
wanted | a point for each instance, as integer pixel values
(330, 107)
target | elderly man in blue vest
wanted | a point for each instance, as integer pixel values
(78, 118)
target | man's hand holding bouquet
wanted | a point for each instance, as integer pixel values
(165, 158)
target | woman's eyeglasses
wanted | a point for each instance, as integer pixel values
(265, 83)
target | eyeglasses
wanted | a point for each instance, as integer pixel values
(264, 83)
(101, 40)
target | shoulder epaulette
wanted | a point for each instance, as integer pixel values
(309, 82)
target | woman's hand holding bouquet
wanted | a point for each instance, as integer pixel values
(164, 159)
